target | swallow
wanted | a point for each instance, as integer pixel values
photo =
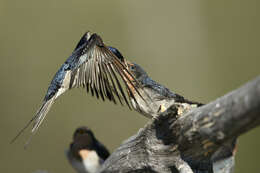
(156, 98)
(86, 154)
(94, 66)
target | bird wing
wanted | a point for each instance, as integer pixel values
(93, 66)
(99, 70)
(102, 151)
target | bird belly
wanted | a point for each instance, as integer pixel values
(92, 162)
(76, 164)
(150, 106)
(141, 107)
(65, 84)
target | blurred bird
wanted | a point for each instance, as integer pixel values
(155, 97)
(93, 66)
(86, 154)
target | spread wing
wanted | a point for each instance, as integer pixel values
(93, 66)
(99, 70)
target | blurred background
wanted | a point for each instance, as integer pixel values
(199, 49)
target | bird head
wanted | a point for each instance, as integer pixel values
(137, 71)
(83, 143)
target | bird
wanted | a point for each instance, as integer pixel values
(156, 98)
(86, 154)
(99, 68)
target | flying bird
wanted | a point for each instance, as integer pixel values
(93, 65)
(86, 154)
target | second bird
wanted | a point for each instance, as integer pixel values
(86, 154)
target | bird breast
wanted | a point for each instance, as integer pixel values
(92, 162)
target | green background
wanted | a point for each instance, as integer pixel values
(200, 49)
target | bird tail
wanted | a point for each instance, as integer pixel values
(36, 120)
(41, 113)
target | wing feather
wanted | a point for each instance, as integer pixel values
(94, 66)
(99, 60)
(108, 77)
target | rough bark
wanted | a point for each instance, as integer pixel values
(202, 140)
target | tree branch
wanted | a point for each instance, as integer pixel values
(202, 140)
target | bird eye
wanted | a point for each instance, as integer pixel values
(132, 67)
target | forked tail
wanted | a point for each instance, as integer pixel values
(37, 119)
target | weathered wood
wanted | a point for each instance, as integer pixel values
(201, 140)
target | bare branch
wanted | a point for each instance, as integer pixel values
(203, 140)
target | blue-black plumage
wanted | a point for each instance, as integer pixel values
(68, 65)
(117, 53)
(93, 66)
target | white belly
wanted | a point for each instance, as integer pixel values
(150, 106)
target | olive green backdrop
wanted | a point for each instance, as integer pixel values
(200, 49)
